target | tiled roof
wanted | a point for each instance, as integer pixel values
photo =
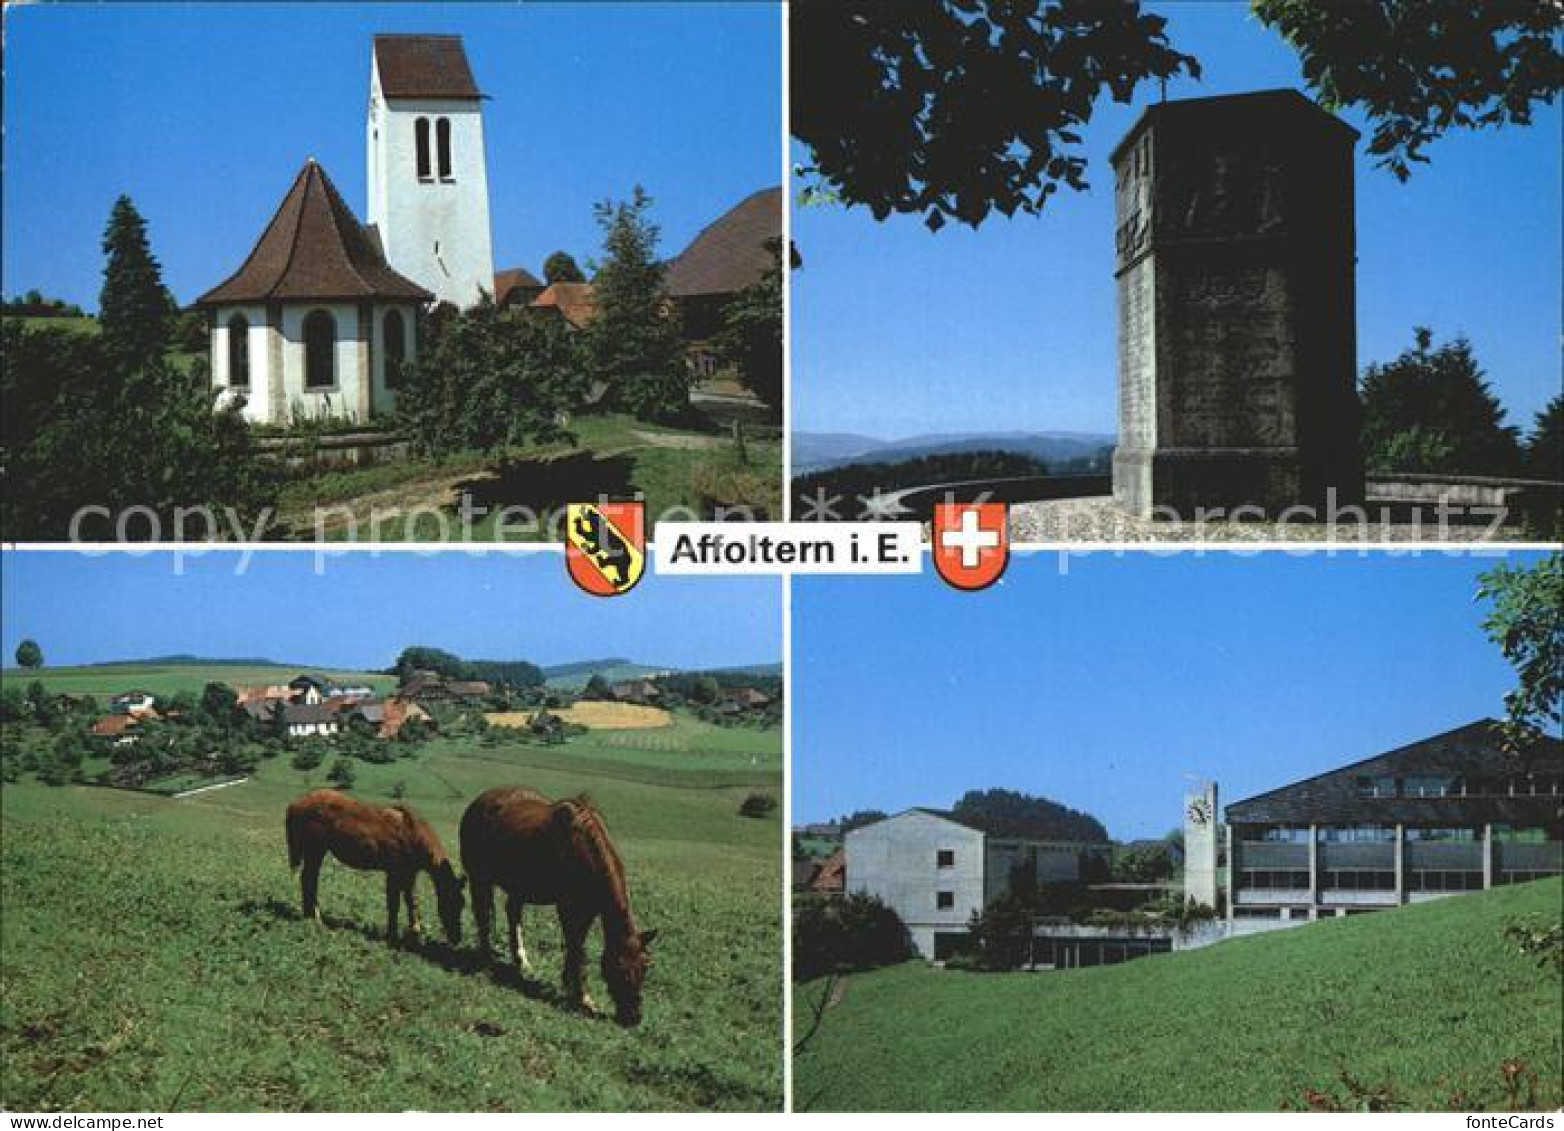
(110, 725)
(307, 713)
(423, 66)
(314, 249)
(512, 277)
(729, 254)
(1473, 750)
(575, 302)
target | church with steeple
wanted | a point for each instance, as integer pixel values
(319, 318)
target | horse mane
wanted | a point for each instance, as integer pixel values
(587, 828)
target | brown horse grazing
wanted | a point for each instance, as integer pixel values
(373, 838)
(557, 853)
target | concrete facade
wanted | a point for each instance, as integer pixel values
(1200, 850)
(935, 871)
(434, 229)
(1235, 266)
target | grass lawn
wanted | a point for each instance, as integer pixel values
(614, 455)
(1429, 1001)
(102, 681)
(154, 959)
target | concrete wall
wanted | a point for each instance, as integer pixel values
(435, 231)
(259, 392)
(897, 861)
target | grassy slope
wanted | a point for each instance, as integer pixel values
(103, 681)
(1431, 999)
(153, 958)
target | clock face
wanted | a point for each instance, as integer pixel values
(1200, 811)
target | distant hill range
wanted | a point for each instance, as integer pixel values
(822, 451)
(185, 660)
(574, 676)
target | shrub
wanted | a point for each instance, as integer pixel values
(341, 774)
(758, 805)
(856, 932)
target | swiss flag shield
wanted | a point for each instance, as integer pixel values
(971, 543)
(605, 546)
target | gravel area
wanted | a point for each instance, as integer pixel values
(1096, 519)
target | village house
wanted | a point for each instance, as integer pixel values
(307, 720)
(640, 691)
(134, 703)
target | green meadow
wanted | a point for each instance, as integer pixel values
(154, 958)
(102, 681)
(1421, 1007)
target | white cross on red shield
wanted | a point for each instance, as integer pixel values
(971, 543)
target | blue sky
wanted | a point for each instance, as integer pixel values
(362, 610)
(1106, 689)
(899, 331)
(205, 113)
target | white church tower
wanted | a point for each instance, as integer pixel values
(428, 184)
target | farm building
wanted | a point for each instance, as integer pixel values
(306, 720)
(642, 691)
(935, 869)
(1451, 813)
(133, 703)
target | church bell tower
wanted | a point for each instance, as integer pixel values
(428, 184)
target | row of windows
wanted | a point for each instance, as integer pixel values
(1450, 785)
(1379, 834)
(1445, 881)
(320, 349)
(442, 145)
(1521, 877)
(1356, 879)
(1274, 879)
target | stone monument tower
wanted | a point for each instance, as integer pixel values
(1200, 814)
(1237, 326)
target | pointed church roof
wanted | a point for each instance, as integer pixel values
(314, 249)
(423, 66)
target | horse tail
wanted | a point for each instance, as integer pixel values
(295, 837)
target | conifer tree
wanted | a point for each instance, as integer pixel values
(135, 310)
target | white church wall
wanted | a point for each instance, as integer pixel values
(340, 398)
(434, 231)
(384, 395)
(257, 395)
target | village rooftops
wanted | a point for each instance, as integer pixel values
(576, 303)
(996, 827)
(424, 66)
(294, 713)
(313, 250)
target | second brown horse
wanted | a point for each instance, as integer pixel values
(556, 853)
(373, 838)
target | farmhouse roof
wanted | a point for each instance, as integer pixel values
(576, 303)
(1475, 750)
(110, 725)
(423, 66)
(313, 249)
(307, 713)
(512, 278)
(468, 687)
(730, 253)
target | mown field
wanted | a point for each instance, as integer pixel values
(102, 681)
(154, 958)
(594, 715)
(1424, 1005)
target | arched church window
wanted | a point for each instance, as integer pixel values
(442, 130)
(320, 350)
(394, 332)
(239, 352)
(421, 137)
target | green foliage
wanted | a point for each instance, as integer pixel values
(219, 703)
(1526, 621)
(29, 655)
(633, 347)
(108, 420)
(838, 935)
(1539, 940)
(310, 754)
(1434, 407)
(751, 338)
(135, 310)
(954, 109)
(420, 657)
(596, 687)
(1143, 864)
(1419, 68)
(758, 805)
(858, 819)
(1545, 447)
(1375, 994)
(489, 379)
(561, 267)
(341, 774)
(1005, 812)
